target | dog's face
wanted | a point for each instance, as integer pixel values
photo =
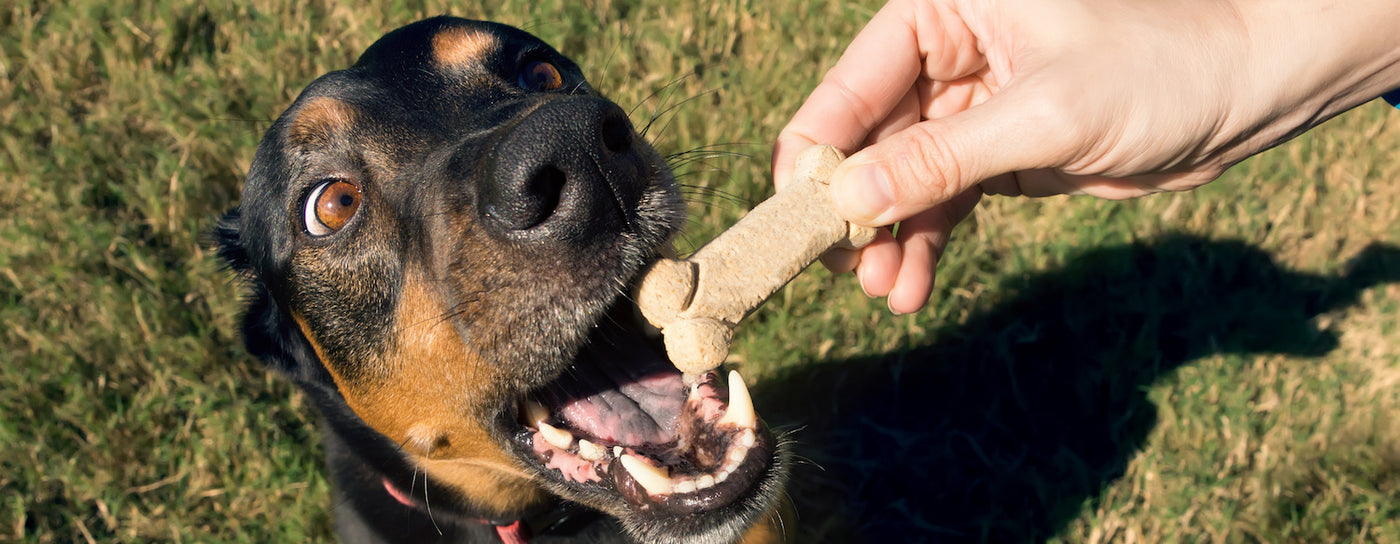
(441, 239)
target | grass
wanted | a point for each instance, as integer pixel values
(1214, 366)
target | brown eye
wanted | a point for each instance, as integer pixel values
(331, 205)
(540, 76)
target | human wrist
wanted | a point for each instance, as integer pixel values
(1314, 59)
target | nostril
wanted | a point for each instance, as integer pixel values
(532, 201)
(616, 133)
(569, 167)
(545, 190)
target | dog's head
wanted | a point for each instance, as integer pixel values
(439, 242)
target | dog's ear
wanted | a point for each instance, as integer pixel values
(269, 333)
(226, 241)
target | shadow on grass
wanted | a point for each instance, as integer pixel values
(1003, 427)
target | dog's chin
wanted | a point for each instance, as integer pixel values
(621, 431)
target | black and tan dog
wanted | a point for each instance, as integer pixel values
(439, 241)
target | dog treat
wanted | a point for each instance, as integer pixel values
(697, 302)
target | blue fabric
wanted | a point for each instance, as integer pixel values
(1393, 97)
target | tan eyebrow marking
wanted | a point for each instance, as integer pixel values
(461, 46)
(318, 120)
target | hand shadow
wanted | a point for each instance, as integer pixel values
(1001, 428)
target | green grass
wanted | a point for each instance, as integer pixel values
(1215, 366)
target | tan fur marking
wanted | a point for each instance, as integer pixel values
(461, 47)
(424, 398)
(318, 120)
(773, 527)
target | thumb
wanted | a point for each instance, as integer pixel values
(933, 161)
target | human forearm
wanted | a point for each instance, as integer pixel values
(1314, 59)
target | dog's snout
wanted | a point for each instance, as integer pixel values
(570, 167)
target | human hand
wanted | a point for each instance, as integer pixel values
(941, 101)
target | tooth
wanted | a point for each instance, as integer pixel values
(590, 451)
(556, 437)
(747, 438)
(617, 451)
(685, 486)
(740, 410)
(705, 482)
(736, 455)
(534, 413)
(722, 476)
(657, 481)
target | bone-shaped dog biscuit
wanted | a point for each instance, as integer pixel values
(697, 302)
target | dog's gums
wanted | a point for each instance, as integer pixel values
(623, 421)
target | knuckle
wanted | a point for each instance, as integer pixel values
(929, 164)
(866, 113)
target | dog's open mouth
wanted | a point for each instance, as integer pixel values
(622, 420)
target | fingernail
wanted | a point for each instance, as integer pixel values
(862, 194)
(863, 288)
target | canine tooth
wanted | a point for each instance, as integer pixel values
(656, 480)
(556, 437)
(590, 451)
(685, 486)
(534, 413)
(740, 410)
(705, 482)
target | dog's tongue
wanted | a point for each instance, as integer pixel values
(620, 392)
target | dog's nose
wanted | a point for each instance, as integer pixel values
(569, 169)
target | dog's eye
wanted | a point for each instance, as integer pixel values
(540, 76)
(331, 205)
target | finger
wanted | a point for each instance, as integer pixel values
(906, 38)
(1032, 183)
(936, 160)
(879, 265)
(944, 98)
(904, 115)
(921, 243)
(841, 261)
(922, 240)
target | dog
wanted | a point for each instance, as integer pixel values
(437, 245)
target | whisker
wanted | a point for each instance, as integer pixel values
(708, 195)
(426, 502)
(714, 149)
(607, 64)
(666, 107)
(656, 94)
(673, 108)
(686, 241)
(698, 158)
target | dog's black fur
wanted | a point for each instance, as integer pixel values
(492, 209)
